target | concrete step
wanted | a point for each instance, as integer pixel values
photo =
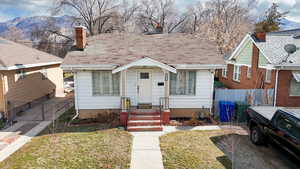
(145, 113)
(144, 117)
(144, 123)
(144, 128)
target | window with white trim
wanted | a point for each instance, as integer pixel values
(183, 83)
(224, 72)
(105, 83)
(294, 88)
(236, 73)
(268, 76)
(249, 72)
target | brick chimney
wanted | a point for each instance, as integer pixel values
(261, 36)
(80, 36)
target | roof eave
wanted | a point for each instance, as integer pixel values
(16, 67)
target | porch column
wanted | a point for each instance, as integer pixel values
(123, 94)
(166, 110)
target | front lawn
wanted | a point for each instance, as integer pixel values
(88, 146)
(192, 150)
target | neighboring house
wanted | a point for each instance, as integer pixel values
(261, 62)
(26, 76)
(175, 71)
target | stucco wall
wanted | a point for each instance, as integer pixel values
(20, 91)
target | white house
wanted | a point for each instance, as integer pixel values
(170, 74)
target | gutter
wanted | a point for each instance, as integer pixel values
(276, 88)
(29, 65)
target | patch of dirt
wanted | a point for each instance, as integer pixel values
(245, 155)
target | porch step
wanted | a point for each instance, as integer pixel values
(145, 128)
(144, 123)
(145, 117)
(145, 113)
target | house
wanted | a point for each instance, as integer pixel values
(261, 62)
(27, 76)
(124, 73)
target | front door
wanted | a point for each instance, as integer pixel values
(144, 87)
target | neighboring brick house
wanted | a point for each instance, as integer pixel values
(26, 76)
(261, 62)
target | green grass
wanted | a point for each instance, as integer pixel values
(88, 146)
(192, 150)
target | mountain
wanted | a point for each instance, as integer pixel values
(288, 24)
(27, 24)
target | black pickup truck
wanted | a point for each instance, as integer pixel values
(275, 124)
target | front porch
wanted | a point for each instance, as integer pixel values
(144, 90)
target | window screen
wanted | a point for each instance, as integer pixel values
(105, 83)
(183, 83)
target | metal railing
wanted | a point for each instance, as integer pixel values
(163, 105)
(125, 104)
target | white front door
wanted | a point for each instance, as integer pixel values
(144, 87)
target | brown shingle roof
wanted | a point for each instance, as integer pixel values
(12, 54)
(121, 49)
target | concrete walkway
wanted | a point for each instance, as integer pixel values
(14, 137)
(146, 152)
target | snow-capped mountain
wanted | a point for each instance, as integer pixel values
(287, 24)
(27, 24)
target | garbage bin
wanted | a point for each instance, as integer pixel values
(240, 109)
(226, 110)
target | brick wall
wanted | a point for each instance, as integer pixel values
(258, 75)
(283, 98)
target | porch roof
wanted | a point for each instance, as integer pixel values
(145, 62)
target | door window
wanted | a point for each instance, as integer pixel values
(144, 75)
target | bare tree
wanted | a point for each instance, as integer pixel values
(127, 11)
(159, 12)
(13, 34)
(51, 39)
(224, 21)
(94, 13)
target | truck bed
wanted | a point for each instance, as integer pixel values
(269, 111)
(266, 111)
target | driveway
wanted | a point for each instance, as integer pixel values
(246, 155)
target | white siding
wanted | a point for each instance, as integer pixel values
(131, 86)
(203, 97)
(157, 91)
(85, 98)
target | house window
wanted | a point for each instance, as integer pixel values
(224, 72)
(44, 74)
(237, 73)
(268, 76)
(21, 74)
(294, 88)
(105, 83)
(249, 72)
(183, 83)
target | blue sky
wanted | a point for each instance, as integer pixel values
(10, 9)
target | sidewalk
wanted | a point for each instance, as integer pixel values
(146, 152)
(14, 137)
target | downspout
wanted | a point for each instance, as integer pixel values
(76, 97)
(276, 88)
(212, 90)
